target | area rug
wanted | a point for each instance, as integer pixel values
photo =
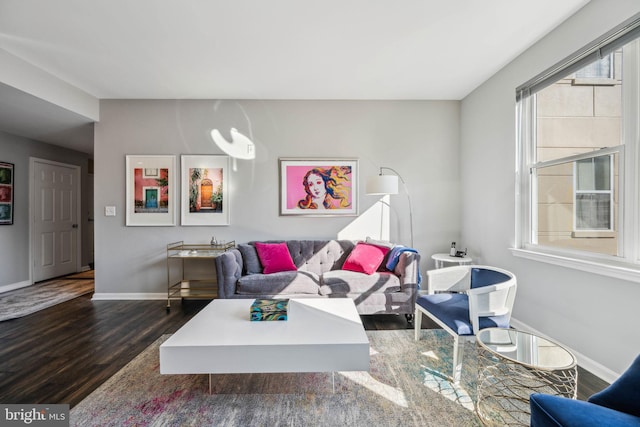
(24, 301)
(405, 386)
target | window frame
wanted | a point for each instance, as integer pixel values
(577, 79)
(610, 192)
(627, 265)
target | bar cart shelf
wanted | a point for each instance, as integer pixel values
(183, 285)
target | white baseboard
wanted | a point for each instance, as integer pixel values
(128, 296)
(590, 365)
(12, 286)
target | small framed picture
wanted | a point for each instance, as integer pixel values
(151, 191)
(318, 187)
(6, 193)
(205, 190)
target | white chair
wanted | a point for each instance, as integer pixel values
(462, 300)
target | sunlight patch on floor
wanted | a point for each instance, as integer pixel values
(437, 382)
(388, 392)
(431, 355)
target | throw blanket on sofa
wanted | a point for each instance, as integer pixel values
(394, 256)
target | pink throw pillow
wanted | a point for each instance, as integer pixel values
(365, 258)
(275, 257)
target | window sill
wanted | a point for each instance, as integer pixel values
(594, 234)
(618, 270)
(594, 81)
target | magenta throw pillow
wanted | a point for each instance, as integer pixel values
(365, 258)
(274, 257)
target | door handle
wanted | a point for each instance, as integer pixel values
(74, 226)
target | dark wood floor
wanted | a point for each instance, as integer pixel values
(62, 354)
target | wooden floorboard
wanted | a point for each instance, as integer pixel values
(63, 353)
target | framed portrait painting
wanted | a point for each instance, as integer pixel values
(318, 187)
(6, 193)
(151, 190)
(205, 190)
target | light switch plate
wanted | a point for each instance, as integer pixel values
(109, 211)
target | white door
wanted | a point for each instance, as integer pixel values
(55, 219)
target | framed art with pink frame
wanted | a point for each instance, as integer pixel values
(318, 187)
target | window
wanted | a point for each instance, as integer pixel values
(600, 69)
(577, 157)
(593, 195)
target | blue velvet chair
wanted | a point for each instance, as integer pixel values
(616, 405)
(462, 300)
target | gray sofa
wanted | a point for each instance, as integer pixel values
(319, 275)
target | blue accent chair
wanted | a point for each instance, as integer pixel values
(462, 300)
(616, 405)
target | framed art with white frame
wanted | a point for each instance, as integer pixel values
(151, 190)
(319, 187)
(205, 190)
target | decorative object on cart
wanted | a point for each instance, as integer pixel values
(150, 190)
(464, 299)
(452, 252)
(205, 190)
(318, 187)
(183, 285)
(615, 405)
(461, 254)
(388, 184)
(6, 193)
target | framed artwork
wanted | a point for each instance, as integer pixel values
(319, 187)
(151, 190)
(205, 190)
(6, 193)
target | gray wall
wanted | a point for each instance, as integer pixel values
(14, 239)
(594, 315)
(418, 139)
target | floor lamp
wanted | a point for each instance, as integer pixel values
(388, 184)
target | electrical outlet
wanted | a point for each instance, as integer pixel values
(109, 211)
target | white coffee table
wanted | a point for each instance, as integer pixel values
(320, 335)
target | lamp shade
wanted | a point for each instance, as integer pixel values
(382, 184)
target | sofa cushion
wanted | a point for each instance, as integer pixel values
(344, 282)
(365, 258)
(384, 244)
(251, 261)
(285, 282)
(275, 257)
(319, 256)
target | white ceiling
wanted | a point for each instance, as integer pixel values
(278, 49)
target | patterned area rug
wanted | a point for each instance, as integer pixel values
(24, 301)
(406, 386)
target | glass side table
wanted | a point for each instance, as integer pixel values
(513, 364)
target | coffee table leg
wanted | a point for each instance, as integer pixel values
(209, 383)
(333, 381)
